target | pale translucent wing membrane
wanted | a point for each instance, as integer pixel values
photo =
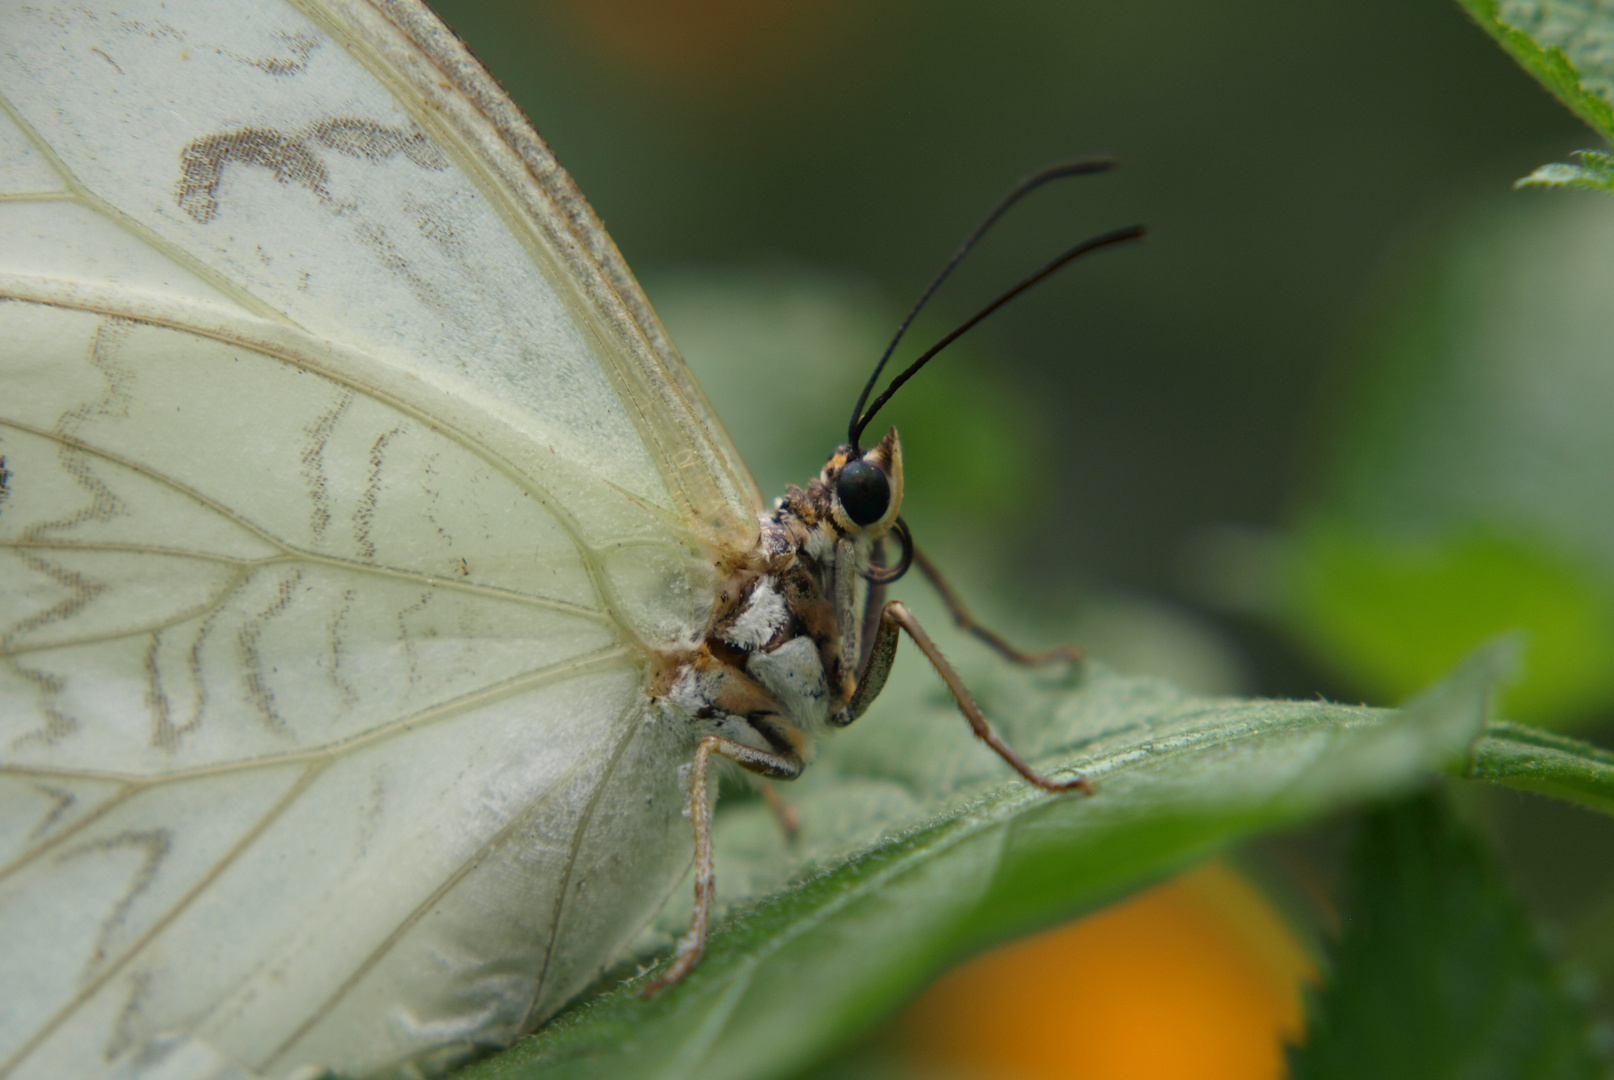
(205, 686)
(677, 417)
(430, 868)
(348, 482)
(335, 566)
(384, 212)
(24, 173)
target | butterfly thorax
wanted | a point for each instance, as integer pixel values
(789, 629)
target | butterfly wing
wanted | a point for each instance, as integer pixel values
(348, 482)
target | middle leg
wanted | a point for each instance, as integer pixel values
(763, 762)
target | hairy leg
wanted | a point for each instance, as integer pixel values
(763, 762)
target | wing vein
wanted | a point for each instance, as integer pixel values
(555, 507)
(577, 666)
(515, 824)
(160, 924)
(290, 551)
(578, 834)
(82, 193)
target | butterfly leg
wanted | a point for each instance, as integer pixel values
(788, 816)
(763, 762)
(897, 615)
(962, 618)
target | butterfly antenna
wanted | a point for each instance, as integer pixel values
(1025, 187)
(1119, 236)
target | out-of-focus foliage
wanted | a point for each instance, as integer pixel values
(1535, 760)
(1437, 973)
(1564, 44)
(1278, 152)
(1591, 169)
(1469, 489)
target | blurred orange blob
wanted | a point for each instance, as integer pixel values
(718, 43)
(1196, 979)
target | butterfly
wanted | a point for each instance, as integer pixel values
(378, 584)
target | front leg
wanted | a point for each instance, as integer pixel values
(780, 766)
(897, 615)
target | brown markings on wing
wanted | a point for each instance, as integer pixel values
(436, 228)
(127, 1029)
(407, 639)
(334, 641)
(64, 802)
(165, 733)
(156, 845)
(292, 158)
(257, 678)
(103, 505)
(389, 256)
(313, 463)
(301, 47)
(364, 513)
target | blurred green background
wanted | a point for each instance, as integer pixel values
(786, 176)
(1342, 417)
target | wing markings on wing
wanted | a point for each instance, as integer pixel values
(424, 580)
(316, 763)
(275, 341)
(155, 851)
(64, 802)
(471, 119)
(291, 552)
(250, 637)
(201, 885)
(698, 466)
(603, 660)
(155, 844)
(78, 191)
(290, 160)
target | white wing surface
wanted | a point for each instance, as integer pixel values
(348, 487)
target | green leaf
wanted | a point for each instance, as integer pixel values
(1592, 169)
(1540, 761)
(1437, 973)
(1563, 43)
(1467, 488)
(935, 856)
(1396, 611)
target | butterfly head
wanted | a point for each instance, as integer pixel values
(865, 486)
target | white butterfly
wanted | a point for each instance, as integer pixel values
(373, 568)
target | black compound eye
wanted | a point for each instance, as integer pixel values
(864, 492)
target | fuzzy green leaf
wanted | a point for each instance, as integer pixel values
(1535, 760)
(1564, 44)
(1591, 169)
(952, 859)
(1437, 973)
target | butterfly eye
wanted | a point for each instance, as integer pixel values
(864, 492)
